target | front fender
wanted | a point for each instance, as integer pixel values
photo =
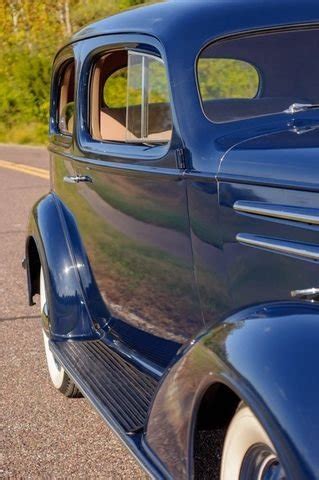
(71, 289)
(268, 355)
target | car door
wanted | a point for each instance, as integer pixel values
(132, 212)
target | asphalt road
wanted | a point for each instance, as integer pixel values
(43, 434)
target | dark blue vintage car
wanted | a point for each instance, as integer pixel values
(176, 255)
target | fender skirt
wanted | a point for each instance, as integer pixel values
(74, 302)
(269, 356)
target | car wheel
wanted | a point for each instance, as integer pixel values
(58, 375)
(248, 453)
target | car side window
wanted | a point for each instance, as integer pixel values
(130, 99)
(66, 98)
(249, 76)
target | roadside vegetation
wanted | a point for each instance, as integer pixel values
(31, 33)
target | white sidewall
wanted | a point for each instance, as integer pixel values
(244, 431)
(56, 372)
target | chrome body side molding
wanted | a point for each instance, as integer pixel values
(295, 249)
(284, 212)
(311, 294)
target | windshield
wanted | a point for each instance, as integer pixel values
(256, 75)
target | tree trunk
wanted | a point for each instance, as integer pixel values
(68, 26)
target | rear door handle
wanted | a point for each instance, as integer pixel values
(77, 179)
(311, 294)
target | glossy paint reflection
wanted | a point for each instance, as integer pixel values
(68, 311)
(256, 275)
(248, 352)
(208, 254)
(135, 232)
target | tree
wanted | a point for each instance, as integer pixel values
(32, 31)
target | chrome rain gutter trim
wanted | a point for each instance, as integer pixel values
(302, 250)
(295, 214)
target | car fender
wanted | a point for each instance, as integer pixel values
(268, 355)
(74, 303)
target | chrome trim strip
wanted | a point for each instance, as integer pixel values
(296, 214)
(302, 250)
(311, 294)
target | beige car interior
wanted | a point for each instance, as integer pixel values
(110, 123)
(66, 99)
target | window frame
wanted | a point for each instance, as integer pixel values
(63, 58)
(119, 152)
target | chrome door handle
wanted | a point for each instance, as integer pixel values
(311, 294)
(77, 179)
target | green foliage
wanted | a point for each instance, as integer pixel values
(158, 83)
(226, 78)
(32, 31)
(24, 133)
(116, 88)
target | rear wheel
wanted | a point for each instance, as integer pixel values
(248, 453)
(58, 375)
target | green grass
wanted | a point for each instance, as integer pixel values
(33, 133)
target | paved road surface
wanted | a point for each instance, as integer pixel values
(44, 435)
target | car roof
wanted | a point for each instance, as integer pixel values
(184, 21)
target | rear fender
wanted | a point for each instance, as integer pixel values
(75, 305)
(268, 355)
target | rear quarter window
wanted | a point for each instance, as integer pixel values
(259, 74)
(66, 98)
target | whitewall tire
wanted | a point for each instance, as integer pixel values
(248, 453)
(58, 375)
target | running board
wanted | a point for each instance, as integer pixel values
(121, 392)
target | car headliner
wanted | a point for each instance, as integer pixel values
(189, 22)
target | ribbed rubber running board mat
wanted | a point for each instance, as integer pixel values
(125, 391)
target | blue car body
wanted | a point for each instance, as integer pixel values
(204, 266)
